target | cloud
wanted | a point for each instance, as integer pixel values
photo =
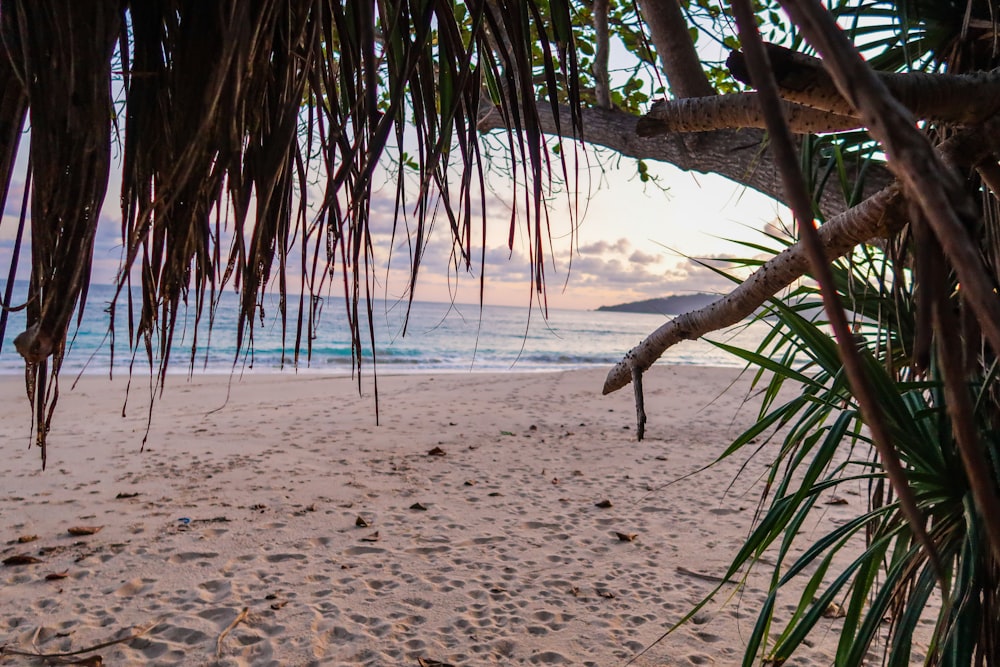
(622, 246)
(643, 258)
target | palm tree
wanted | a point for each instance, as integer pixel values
(239, 108)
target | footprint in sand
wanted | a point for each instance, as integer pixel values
(280, 558)
(188, 556)
(215, 590)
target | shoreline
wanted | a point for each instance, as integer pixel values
(384, 369)
(499, 548)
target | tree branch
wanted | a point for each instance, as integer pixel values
(736, 154)
(681, 64)
(737, 110)
(877, 216)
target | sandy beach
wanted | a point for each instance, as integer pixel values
(475, 525)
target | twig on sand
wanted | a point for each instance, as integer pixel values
(6, 650)
(236, 621)
(699, 575)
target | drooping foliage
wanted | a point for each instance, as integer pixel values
(250, 135)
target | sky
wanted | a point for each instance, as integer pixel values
(632, 239)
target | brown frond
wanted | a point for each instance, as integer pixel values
(63, 55)
(962, 99)
(253, 131)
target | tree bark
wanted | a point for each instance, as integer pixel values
(948, 210)
(737, 110)
(602, 85)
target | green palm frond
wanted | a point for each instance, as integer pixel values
(870, 566)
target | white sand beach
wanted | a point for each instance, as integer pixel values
(284, 527)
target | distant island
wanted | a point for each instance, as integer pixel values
(674, 304)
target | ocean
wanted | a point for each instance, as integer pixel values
(439, 337)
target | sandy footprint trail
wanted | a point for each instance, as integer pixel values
(467, 529)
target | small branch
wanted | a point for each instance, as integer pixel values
(681, 64)
(963, 99)
(602, 80)
(719, 112)
(4, 650)
(640, 404)
(242, 616)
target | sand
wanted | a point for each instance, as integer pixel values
(285, 527)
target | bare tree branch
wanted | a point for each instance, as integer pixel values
(736, 154)
(681, 64)
(877, 216)
(737, 110)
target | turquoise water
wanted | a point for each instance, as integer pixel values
(439, 337)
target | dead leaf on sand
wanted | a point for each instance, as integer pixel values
(79, 531)
(604, 504)
(437, 451)
(55, 576)
(626, 537)
(362, 522)
(418, 506)
(371, 538)
(470, 482)
(24, 539)
(20, 559)
(836, 500)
